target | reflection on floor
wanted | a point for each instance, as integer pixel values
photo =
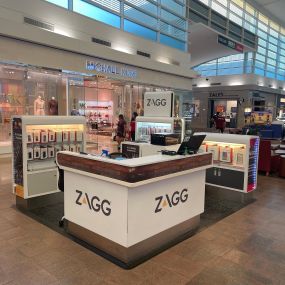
(246, 247)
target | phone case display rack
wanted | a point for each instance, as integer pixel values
(36, 140)
(145, 126)
(235, 161)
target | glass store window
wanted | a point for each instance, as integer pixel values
(101, 100)
(21, 87)
(139, 30)
(96, 13)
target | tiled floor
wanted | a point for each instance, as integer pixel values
(247, 247)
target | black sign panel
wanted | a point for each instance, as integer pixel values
(230, 44)
(131, 150)
(17, 150)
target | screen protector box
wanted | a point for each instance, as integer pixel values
(164, 139)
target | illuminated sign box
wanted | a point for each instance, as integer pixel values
(110, 69)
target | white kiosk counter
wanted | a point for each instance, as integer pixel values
(132, 209)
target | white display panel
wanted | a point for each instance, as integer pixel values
(103, 208)
(161, 205)
(158, 104)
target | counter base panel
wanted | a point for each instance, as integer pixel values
(223, 193)
(38, 202)
(129, 257)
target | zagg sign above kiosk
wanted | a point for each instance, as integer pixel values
(158, 104)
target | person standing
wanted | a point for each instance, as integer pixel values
(133, 126)
(220, 122)
(121, 130)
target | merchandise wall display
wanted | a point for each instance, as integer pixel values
(131, 208)
(36, 140)
(145, 126)
(235, 161)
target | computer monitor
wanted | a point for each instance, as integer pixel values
(191, 145)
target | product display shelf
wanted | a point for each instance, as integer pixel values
(36, 140)
(145, 126)
(235, 161)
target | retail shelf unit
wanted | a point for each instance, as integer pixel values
(235, 161)
(36, 140)
(145, 126)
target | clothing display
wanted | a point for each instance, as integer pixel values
(39, 106)
(52, 107)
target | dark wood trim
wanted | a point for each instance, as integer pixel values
(133, 174)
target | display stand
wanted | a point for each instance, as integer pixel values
(235, 162)
(36, 140)
(145, 126)
(132, 209)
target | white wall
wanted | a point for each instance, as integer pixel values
(73, 32)
(241, 79)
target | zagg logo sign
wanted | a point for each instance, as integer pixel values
(156, 102)
(94, 203)
(171, 200)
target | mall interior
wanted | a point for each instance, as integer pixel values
(175, 108)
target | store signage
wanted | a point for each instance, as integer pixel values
(216, 94)
(230, 44)
(94, 203)
(111, 69)
(171, 200)
(158, 104)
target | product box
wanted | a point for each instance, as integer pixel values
(213, 148)
(65, 147)
(226, 154)
(239, 156)
(43, 152)
(72, 136)
(30, 137)
(65, 136)
(44, 136)
(51, 152)
(37, 136)
(30, 153)
(79, 136)
(57, 148)
(51, 136)
(58, 136)
(72, 147)
(78, 148)
(37, 152)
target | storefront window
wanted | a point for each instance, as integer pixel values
(25, 91)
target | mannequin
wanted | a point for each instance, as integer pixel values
(39, 106)
(52, 106)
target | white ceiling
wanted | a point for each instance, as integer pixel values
(274, 7)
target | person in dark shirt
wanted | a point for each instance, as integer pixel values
(220, 122)
(121, 130)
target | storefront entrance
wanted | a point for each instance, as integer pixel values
(226, 108)
(27, 90)
(101, 100)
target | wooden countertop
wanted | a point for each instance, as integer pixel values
(133, 170)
